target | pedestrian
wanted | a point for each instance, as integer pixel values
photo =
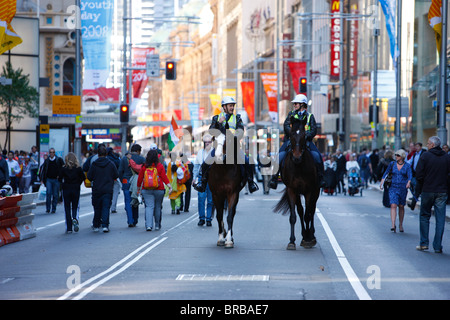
(175, 173)
(49, 177)
(366, 167)
(152, 194)
(382, 166)
(203, 215)
(4, 172)
(71, 178)
(418, 151)
(114, 157)
(186, 196)
(29, 164)
(432, 174)
(125, 174)
(401, 181)
(102, 173)
(340, 170)
(14, 170)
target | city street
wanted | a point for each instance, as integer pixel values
(357, 256)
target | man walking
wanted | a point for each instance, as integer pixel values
(102, 173)
(125, 173)
(432, 172)
(51, 170)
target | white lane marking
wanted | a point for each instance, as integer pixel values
(118, 264)
(351, 275)
(220, 277)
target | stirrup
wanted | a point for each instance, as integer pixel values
(252, 186)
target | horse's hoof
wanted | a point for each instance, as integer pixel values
(229, 245)
(291, 246)
(220, 243)
(308, 244)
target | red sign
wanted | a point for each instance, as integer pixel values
(335, 39)
(286, 79)
(248, 97)
(140, 79)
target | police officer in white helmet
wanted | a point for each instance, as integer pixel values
(300, 112)
(224, 121)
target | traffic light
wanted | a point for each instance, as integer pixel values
(171, 70)
(124, 113)
(303, 85)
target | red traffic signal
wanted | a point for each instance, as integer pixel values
(303, 85)
(124, 113)
(171, 70)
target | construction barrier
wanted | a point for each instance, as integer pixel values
(16, 218)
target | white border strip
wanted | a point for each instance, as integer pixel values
(351, 275)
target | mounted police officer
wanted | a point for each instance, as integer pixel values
(300, 112)
(226, 120)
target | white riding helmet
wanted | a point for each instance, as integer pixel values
(300, 98)
(8, 189)
(228, 100)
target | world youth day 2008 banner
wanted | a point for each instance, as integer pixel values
(96, 27)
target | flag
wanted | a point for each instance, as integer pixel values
(435, 20)
(175, 134)
(389, 8)
(8, 37)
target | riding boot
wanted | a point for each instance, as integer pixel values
(320, 173)
(252, 186)
(273, 183)
(203, 178)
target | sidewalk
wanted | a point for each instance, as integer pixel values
(83, 192)
(417, 209)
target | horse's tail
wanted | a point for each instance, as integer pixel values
(283, 205)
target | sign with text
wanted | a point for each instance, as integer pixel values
(66, 106)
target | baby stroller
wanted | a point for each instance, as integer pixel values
(330, 179)
(354, 182)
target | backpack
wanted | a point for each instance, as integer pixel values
(151, 180)
(364, 162)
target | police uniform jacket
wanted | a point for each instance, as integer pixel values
(231, 122)
(312, 125)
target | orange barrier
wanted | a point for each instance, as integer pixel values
(16, 218)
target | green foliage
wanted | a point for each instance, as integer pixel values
(17, 100)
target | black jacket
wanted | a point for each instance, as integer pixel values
(71, 177)
(432, 170)
(102, 173)
(43, 174)
(310, 134)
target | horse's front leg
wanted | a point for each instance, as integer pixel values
(309, 239)
(292, 219)
(219, 215)
(232, 203)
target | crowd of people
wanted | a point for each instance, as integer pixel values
(401, 173)
(147, 180)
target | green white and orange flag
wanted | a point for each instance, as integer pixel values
(8, 37)
(175, 134)
(435, 20)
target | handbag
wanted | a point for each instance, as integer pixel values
(388, 179)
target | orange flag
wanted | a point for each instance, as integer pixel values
(8, 37)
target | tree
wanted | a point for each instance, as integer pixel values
(17, 100)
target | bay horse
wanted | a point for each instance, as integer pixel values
(225, 181)
(300, 177)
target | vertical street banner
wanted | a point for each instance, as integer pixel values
(389, 8)
(96, 28)
(215, 103)
(194, 115)
(8, 37)
(286, 75)
(354, 25)
(269, 81)
(298, 70)
(435, 20)
(248, 98)
(140, 79)
(335, 40)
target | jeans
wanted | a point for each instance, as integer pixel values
(71, 196)
(116, 192)
(101, 204)
(439, 201)
(153, 200)
(202, 197)
(52, 186)
(132, 212)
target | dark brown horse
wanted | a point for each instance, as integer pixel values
(300, 177)
(225, 181)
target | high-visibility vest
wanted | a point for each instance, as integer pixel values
(307, 126)
(232, 124)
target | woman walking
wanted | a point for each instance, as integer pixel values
(153, 194)
(71, 177)
(401, 180)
